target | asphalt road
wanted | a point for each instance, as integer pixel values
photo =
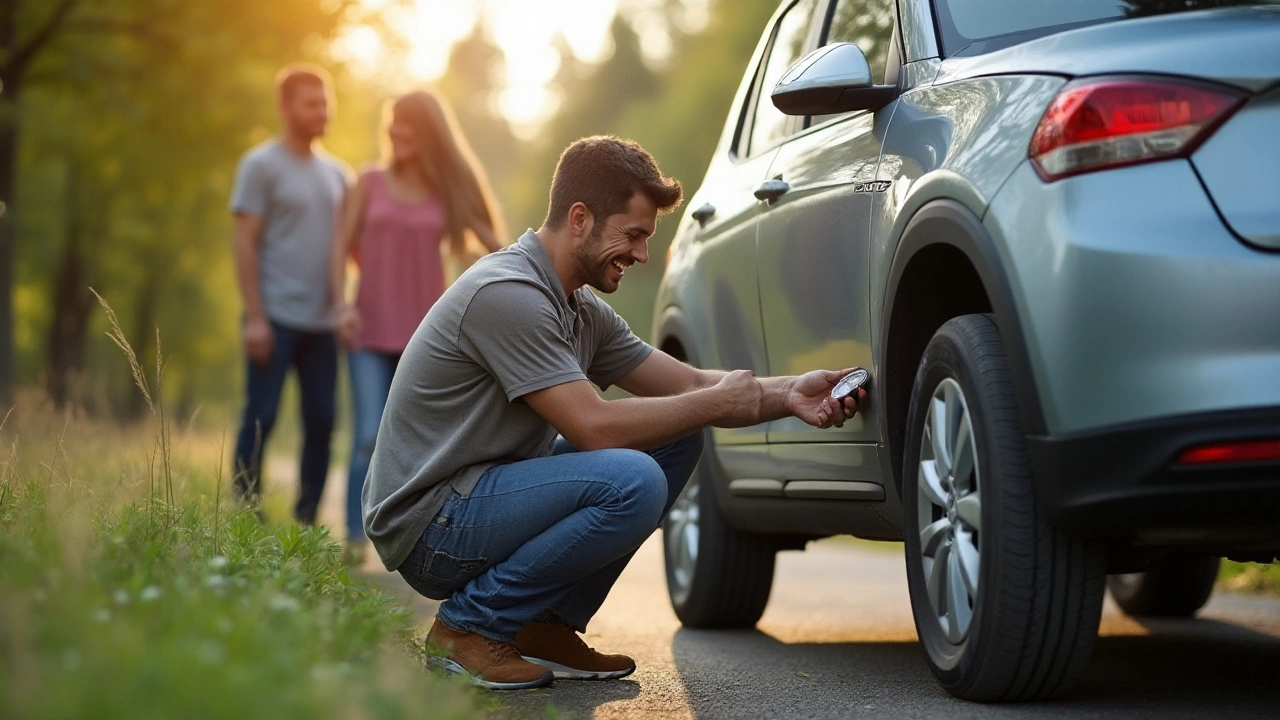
(837, 641)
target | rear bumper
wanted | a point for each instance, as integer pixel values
(1122, 483)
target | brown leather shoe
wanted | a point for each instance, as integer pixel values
(487, 663)
(558, 647)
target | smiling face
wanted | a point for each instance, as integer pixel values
(404, 144)
(615, 244)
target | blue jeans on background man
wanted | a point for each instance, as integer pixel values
(371, 373)
(546, 539)
(315, 357)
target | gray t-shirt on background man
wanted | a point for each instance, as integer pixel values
(297, 200)
(503, 330)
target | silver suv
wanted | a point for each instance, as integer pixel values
(1051, 231)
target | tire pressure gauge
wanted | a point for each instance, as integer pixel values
(849, 384)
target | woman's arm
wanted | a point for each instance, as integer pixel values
(345, 241)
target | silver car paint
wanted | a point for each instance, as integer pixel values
(964, 136)
(1242, 171)
(1244, 43)
(1136, 302)
(959, 141)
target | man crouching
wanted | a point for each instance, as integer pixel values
(473, 497)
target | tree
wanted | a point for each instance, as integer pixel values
(133, 115)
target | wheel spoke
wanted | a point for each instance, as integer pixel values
(931, 484)
(969, 508)
(938, 436)
(962, 458)
(937, 578)
(958, 611)
(936, 533)
(967, 557)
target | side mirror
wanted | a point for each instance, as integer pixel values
(831, 79)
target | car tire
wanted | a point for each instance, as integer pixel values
(717, 577)
(1171, 587)
(1007, 608)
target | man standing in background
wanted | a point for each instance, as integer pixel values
(287, 195)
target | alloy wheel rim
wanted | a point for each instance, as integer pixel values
(949, 511)
(681, 537)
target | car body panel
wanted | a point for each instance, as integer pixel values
(812, 262)
(1234, 46)
(1240, 166)
(928, 155)
(1137, 303)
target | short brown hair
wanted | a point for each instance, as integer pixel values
(603, 172)
(292, 77)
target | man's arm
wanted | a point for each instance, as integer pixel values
(661, 375)
(258, 338)
(589, 422)
(805, 396)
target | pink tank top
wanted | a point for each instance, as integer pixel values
(401, 272)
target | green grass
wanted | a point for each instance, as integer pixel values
(129, 591)
(130, 587)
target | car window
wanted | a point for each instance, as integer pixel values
(972, 27)
(790, 40)
(869, 24)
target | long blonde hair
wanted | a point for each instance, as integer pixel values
(449, 166)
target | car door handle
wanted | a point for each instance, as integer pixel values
(704, 213)
(771, 189)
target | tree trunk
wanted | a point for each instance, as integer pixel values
(72, 302)
(10, 87)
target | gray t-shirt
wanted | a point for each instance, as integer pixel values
(503, 330)
(297, 200)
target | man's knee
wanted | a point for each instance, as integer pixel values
(640, 480)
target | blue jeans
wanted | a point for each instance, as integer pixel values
(315, 357)
(371, 373)
(545, 539)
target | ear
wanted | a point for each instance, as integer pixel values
(581, 221)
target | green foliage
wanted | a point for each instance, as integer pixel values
(1251, 577)
(114, 603)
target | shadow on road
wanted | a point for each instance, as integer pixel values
(1188, 668)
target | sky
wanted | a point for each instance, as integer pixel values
(525, 30)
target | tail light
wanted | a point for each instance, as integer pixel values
(1232, 452)
(1105, 123)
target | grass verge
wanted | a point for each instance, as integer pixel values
(131, 587)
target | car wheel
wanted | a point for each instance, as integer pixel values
(1171, 587)
(1005, 607)
(716, 576)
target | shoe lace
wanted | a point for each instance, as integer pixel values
(573, 637)
(500, 650)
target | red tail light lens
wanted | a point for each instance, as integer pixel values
(1247, 451)
(1104, 123)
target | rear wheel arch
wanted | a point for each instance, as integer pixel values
(945, 266)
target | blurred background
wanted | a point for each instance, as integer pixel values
(121, 123)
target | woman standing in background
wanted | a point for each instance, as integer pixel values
(428, 188)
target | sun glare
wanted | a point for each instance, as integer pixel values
(526, 32)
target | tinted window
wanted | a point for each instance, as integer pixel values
(971, 27)
(869, 24)
(769, 125)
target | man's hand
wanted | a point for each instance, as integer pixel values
(741, 393)
(258, 340)
(810, 399)
(348, 326)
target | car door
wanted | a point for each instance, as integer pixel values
(727, 209)
(812, 243)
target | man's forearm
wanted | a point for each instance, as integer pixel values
(773, 397)
(647, 423)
